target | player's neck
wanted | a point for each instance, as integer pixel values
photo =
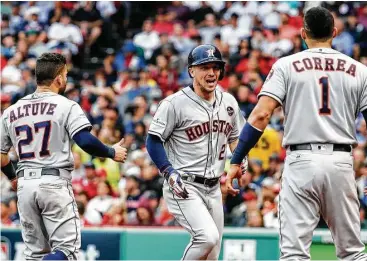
(42, 88)
(208, 96)
(317, 44)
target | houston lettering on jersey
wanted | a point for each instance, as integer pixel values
(197, 131)
(329, 64)
(39, 108)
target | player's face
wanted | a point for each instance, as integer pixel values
(206, 76)
(62, 81)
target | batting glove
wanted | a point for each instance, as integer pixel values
(244, 165)
(174, 180)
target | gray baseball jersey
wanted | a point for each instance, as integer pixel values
(196, 133)
(40, 126)
(320, 89)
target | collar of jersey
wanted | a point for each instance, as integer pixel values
(322, 50)
(191, 93)
(36, 95)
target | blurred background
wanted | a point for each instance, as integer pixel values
(124, 57)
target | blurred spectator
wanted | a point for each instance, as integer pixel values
(5, 213)
(88, 184)
(181, 11)
(63, 34)
(231, 34)
(209, 29)
(111, 167)
(267, 146)
(162, 23)
(79, 171)
(99, 204)
(89, 19)
(127, 58)
(245, 101)
(199, 14)
(115, 216)
(276, 46)
(343, 42)
(147, 39)
(181, 43)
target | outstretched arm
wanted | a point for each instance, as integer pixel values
(95, 147)
(250, 134)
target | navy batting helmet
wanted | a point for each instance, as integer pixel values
(206, 53)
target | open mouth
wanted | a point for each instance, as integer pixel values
(211, 82)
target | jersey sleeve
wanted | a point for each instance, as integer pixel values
(6, 143)
(238, 123)
(275, 84)
(76, 120)
(163, 121)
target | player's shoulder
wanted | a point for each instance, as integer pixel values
(224, 96)
(176, 97)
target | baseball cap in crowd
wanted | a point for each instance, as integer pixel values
(268, 182)
(129, 47)
(136, 154)
(257, 162)
(89, 165)
(133, 172)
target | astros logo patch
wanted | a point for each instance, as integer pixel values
(271, 73)
(230, 110)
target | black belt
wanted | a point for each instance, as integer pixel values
(336, 147)
(201, 180)
(51, 172)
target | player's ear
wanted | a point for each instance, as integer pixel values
(59, 79)
(335, 32)
(303, 33)
(191, 72)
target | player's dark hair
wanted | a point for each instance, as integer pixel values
(48, 66)
(318, 23)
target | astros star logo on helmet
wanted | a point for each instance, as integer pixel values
(210, 52)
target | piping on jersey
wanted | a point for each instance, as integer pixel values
(210, 128)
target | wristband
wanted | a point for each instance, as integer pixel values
(9, 171)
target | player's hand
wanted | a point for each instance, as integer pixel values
(365, 191)
(14, 184)
(120, 151)
(234, 172)
(175, 183)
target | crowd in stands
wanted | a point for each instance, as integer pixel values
(124, 57)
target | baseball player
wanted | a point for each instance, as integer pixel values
(41, 127)
(321, 91)
(187, 140)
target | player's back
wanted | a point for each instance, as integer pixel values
(39, 126)
(323, 95)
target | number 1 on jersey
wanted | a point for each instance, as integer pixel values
(325, 96)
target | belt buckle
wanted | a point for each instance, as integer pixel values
(205, 183)
(190, 177)
(32, 173)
